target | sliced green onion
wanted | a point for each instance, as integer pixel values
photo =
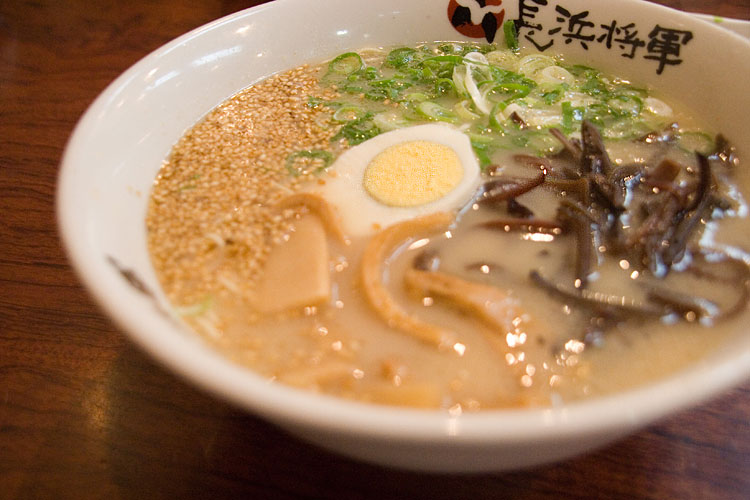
(533, 63)
(555, 75)
(497, 112)
(436, 112)
(357, 131)
(601, 114)
(196, 309)
(459, 76)
(657, 107)
(444, 59)
(348, 113)
(696, 142)
(511, 35)
(346, 64)
(387, 88)
(388, 83)
(389, 120)
(571, 116)
(481, 149)
(317, 156)
(471, 88)
(480, 136)
(398, 58)
(427, 74)
(626, 105)
(503, 59)
(625, 128)
(315, 102)
(353, 89)
(417, 97)
(450, 48)
(380, 94)
(476, 57)
(444, 86)
(542, 142)
(633, 92)
(553, 95)
(439, 67)
(372, 73)
(581, 70)
(595, 86)
(462, 109)
(510, 91)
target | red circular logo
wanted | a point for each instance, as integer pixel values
(476, 18)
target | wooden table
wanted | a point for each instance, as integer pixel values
(84, 414)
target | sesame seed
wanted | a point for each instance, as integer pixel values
(221, 180)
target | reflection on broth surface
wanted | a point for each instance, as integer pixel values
(453, 226)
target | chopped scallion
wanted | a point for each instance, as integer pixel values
(400, 57)
(511, 35)
(348, 113)
(318, 160)
(436, 112)
(346, 64)
(571, 116)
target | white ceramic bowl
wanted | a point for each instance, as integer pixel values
(119, 144)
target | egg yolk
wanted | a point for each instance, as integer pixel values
(412, 173)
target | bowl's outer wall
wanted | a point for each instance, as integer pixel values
(117, 148)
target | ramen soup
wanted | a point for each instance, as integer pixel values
(453, 226)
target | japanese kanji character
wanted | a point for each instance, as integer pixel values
(628, 38)
(576, 25)
(527, 10)
(665, 44)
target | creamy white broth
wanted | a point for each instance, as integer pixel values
(345, 348)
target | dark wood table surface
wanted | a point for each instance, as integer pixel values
(85, 414)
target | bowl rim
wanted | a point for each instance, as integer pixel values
(282, 404)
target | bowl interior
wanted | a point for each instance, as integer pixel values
(120, 143)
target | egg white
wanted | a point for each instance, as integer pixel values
(361, 214)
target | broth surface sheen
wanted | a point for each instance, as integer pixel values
(576, 287)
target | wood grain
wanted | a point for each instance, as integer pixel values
(83, 414)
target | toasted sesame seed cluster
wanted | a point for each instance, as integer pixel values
(211, 219)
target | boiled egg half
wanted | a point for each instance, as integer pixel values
(399, 175)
